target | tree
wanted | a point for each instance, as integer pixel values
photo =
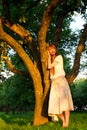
(36, 63)
(79, 92)
(17, 95)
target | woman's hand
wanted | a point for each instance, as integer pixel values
(49, 56)
(49, 59)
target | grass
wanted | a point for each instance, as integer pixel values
(78, 121)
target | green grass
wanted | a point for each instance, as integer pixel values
(78, 121)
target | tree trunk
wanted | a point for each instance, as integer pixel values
(39, 102)
(38, 117)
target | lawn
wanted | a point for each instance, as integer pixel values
(78, 121)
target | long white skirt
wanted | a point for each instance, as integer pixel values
(60, 98)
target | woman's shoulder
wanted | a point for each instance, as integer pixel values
(58, 57)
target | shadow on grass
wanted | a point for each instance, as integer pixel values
(20, 119)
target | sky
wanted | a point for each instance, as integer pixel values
(78, 22)
(75, 25)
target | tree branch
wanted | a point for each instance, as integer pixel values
(32, 4)
(12, 68)
(76, 65)
(66, 8)
(42, 41)
(18, 48)
(46, 20)
(5, 5)
(18, 29)
(25, 35)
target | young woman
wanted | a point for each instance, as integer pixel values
(60, 99)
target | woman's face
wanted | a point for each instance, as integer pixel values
(52, 51)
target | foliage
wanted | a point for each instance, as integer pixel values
(24, 122)
(16, 94)
(79, 92)
(17, 62)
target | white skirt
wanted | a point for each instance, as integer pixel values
(60, 98)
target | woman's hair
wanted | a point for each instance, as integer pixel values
(52, 46)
